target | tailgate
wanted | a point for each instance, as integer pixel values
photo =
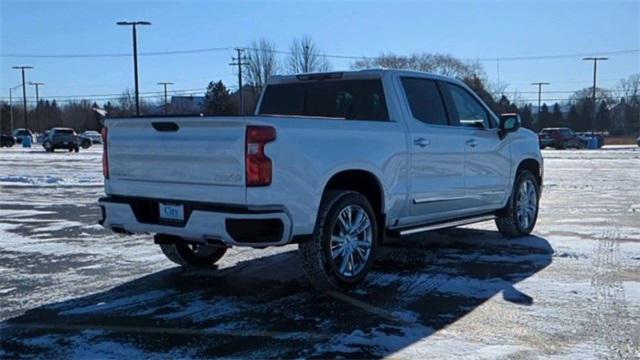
(182, 158)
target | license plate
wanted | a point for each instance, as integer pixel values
(66, 143)
(171, 212)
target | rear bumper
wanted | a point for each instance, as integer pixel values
(206, 223)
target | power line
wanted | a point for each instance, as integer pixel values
(335, 56)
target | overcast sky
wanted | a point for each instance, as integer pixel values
(482, 29)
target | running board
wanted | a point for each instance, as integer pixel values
(444, 225)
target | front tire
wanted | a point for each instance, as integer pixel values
(521, 213)
(343, 245)
(191, 254)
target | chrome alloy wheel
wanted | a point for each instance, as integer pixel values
(351, 240)
(527, 204)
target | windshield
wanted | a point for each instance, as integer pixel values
(344, 99)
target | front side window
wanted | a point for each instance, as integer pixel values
(343, 99)
(425, 100)
(470, 112)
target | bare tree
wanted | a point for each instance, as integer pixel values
(629, 88)
(305, 57)
(262, 63)
(442, 64)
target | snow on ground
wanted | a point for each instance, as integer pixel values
(68, 288)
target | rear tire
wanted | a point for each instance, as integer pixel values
(344, 242)
(193, 255)
(519, 217)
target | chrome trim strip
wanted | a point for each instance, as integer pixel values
(437, 199)
(446, 225)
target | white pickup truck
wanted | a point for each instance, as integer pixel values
(335, 162)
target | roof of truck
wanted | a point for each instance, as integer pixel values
(354, 74)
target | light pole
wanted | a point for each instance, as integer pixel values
(133, 24)
(11, 106)
(37, 85)
(24, 94)
(540, 84)
(593, 94)
(166, 103)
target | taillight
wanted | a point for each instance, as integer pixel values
(259, 169)
(105, 157)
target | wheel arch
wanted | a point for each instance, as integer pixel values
(364, 182)
(532, 165)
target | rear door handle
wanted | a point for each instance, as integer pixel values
(472, 143)
(422, 142)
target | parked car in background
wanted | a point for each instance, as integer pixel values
(7, 140)
(61, 138)
(92, 135)
(588, 135)
(384, 153)
(20, 133)
(84, 142)
(89, 138)
(40, 138)
(560, 138)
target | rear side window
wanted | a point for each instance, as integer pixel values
(344, 99)
(425, 100)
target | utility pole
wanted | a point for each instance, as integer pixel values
(166, 103)
(540, 84)
(11, 106)
(240, 61)
(593, 94)
(24, 93)
(133, 24)
(37, 85)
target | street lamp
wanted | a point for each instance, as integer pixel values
(166, 103)
(593, 94)
(24, 93)
(37, 85)
(133, 24)
(11, 105)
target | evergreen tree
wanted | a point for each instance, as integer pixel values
(557, 119)
(585, 111)
(526, 117)
(573, 119)
(217, 100)
(603, 117)
(544, 117)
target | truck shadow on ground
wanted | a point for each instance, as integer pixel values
(264, 307)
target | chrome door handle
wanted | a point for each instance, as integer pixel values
(422, 142)
(472, 142)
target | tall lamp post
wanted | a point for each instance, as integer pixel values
(37, 85)
(133, 24)
(166, 101)
(593, 94)
(24, 93)
(11, 106)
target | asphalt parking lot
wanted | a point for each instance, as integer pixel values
(68, 288)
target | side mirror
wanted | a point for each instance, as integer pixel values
(509, 123)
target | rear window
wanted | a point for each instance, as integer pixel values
(345, 99)
(64, 132)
